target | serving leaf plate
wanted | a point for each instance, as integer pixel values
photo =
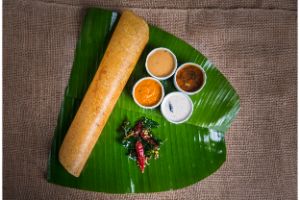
(191, 151)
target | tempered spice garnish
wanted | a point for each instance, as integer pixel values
(170, 107)
(140, 142)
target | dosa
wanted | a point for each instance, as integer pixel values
(124, 49)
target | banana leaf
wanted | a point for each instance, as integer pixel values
(191, 151)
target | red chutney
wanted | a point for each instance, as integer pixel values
(190, 78)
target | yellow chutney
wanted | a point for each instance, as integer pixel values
(148, 92)
(161, 63)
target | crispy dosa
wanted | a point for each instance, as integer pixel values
(124, 49)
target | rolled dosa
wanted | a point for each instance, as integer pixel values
(124, 49)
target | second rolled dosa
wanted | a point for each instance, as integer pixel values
(124, 49)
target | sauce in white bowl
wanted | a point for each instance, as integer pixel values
(177, 107)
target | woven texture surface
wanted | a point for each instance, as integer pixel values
(252, 43)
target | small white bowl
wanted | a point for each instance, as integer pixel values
(182, 66)
(177, 107)
(162, 93)
(174, 58)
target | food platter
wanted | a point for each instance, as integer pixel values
(191, 151)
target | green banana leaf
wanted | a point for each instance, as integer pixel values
(191, 151)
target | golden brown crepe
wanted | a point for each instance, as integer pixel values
(124, 49)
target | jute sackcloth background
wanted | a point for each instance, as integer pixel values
(253, 43)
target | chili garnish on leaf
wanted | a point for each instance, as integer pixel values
(140, 141)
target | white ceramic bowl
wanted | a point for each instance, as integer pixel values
(162, 95)
(182, 66)
(174, 58)
(177, 107)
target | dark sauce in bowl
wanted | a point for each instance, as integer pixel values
(190, 78)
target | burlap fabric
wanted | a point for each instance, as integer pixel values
(252, 42)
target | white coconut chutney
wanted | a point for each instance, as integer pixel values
(177, 107)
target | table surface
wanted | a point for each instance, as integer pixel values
(253, 43)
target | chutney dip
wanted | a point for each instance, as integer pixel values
(161, 63)
(148, 92)
(177, 107)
